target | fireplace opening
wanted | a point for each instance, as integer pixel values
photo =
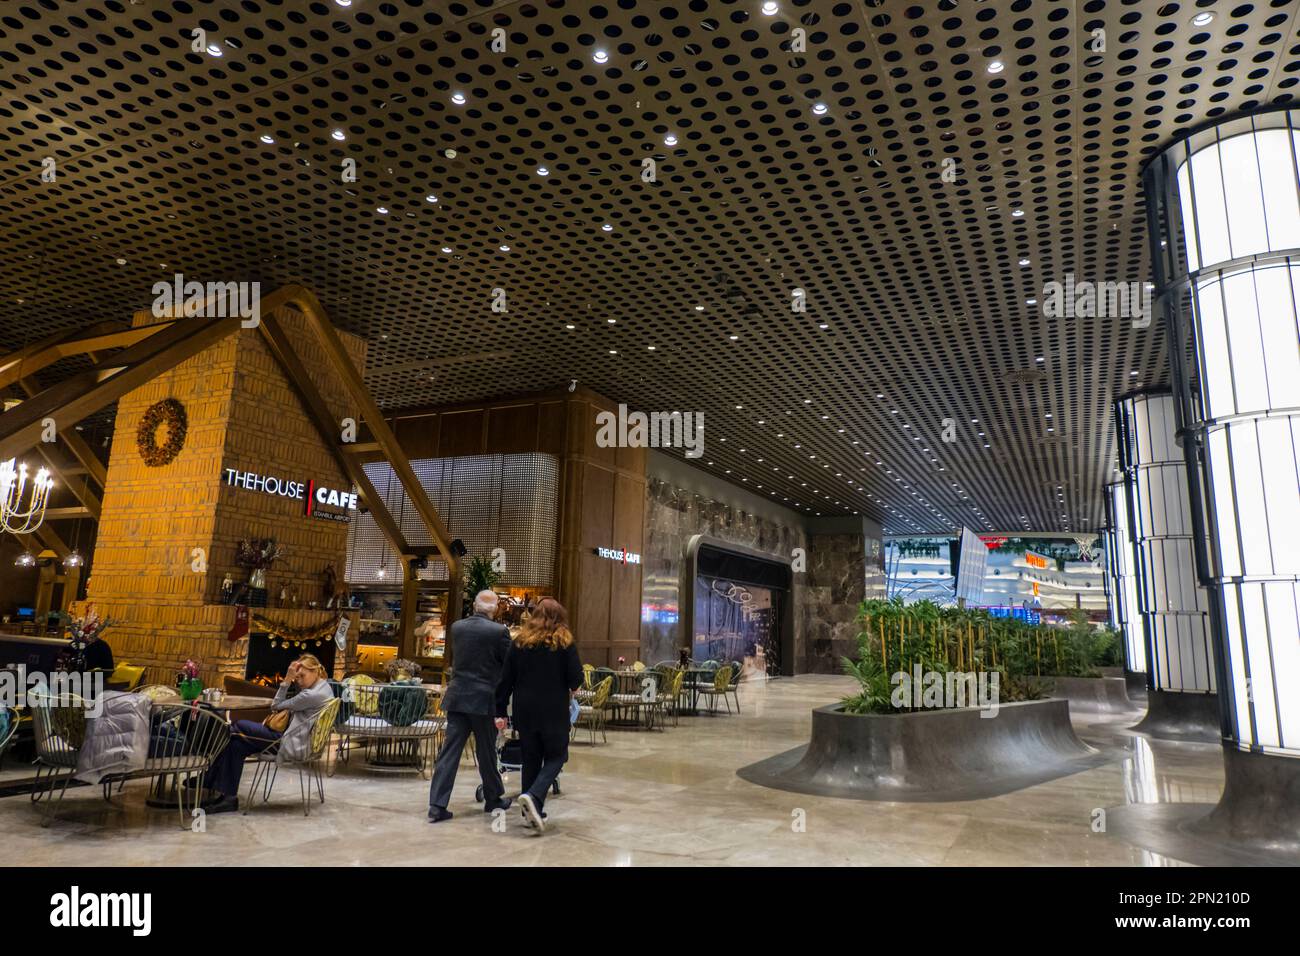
(267, 664)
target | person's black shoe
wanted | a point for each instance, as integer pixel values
(502, 804)
(438, 814)
(227, 804)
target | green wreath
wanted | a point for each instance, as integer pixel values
(168, 412)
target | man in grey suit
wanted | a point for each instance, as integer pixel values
(478, 649)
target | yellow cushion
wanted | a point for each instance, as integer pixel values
(364, 702)
(127, 674)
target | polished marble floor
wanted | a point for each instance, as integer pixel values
(646, 799)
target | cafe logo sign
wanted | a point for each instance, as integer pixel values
(621, 555)
(319, 498)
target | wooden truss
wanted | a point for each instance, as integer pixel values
(124, 359)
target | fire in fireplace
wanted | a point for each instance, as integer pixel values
(266, 665)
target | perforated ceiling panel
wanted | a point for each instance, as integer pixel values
(813, 161)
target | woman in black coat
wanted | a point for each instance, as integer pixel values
(541, 672)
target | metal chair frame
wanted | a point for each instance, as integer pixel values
(721, 684)
(593, 711)
(60, 726)
(391, 747)
(309, 769)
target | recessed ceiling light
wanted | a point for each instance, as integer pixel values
(449, 153)
(997, 66)
(458, 99)
(600, 56)
(343, 3)
(650, 348)
(613, 352)
(266, 139)
(734, 337)
(770, 8)
(699, 308)
(504, 248)
(607, 227)
(1202, 18)
(446, 249)
(1024, 262)
(1040, 359)
(1017, 213)
(214, 49)
(431, 198)
(670, 140)
(1031, 302)
(338, 134)
(122, 262)
(819, 108)
(543, 171)
(611, 321)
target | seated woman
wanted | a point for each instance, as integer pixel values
(304, 693)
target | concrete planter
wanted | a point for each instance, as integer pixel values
(936, 755)
(1097, 695)
(1175, 715)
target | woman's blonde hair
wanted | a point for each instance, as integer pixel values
(547, 626)
(312, 662)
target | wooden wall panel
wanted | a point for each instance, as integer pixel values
(628, 532)
(461, 433)
(418, 436)
(550, 427)
(512, 429)
(602, 500)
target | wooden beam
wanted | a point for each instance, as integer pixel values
(76, 444)
(361, 447)
(81, 395)
(90, 504)
(57, 514)
(104, 335)
(305, 300)
(49, 538)
(319, 413)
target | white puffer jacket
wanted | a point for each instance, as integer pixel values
(117, 741)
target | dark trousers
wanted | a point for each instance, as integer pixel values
(544, 754)
(459, 727)
(247, 737)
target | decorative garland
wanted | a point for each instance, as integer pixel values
(315, 635)
(171, 413)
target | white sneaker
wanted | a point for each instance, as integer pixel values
(530, 813)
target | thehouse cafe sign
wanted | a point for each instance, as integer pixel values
(322, 501)
(621, 555)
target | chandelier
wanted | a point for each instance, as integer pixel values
(21, 510)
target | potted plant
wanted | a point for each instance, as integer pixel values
(402, 671)
(188, 683)
(480, 575)
(82, 632)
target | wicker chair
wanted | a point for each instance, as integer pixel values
(720, 688)
(733, 686)
(268, 762)
(592, 711)
(671, 681)
(641, 702)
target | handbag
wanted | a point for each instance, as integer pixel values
(277, 720)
